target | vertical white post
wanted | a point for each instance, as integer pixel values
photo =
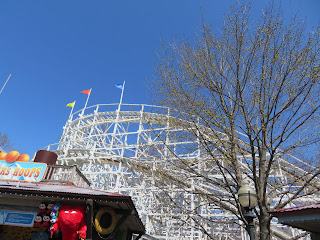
(65, 128)
(124, 82)
(117, 118)
(86, 102)
(71, 111)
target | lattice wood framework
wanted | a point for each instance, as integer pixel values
(132, 149)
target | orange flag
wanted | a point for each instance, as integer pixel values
(86, 91)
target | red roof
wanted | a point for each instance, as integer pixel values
(307, 209)
(298, 208)
(306, 217)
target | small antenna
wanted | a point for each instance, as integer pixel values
(5, 83)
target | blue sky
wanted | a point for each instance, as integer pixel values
(56, 49)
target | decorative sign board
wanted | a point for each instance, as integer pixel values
(17, 218)
(22, 171)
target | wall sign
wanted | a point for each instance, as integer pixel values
(17, 218)
(22, 171)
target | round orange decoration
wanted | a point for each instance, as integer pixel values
(23, 158)
(12, 156)
(2, 155)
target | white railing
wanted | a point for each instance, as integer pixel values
(66, 175)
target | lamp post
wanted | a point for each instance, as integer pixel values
(248, 198)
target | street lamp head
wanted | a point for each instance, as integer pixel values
(247, 195)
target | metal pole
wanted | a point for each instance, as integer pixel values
(86, 102)
(249, 215)
(5, 83)
(251, 228)
(124, 82)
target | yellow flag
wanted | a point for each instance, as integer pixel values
(71, 104)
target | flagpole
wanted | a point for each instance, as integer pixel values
(5, 83)
(68, 122)
(86, 101)
(124, 82)
(117, 117)
(72, 110)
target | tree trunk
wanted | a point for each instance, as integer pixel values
(264, 224)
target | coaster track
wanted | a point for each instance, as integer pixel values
(131, 149)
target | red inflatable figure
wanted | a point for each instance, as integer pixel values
(72, 222)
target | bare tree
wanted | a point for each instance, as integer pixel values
(255, 85)
(5, 143)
